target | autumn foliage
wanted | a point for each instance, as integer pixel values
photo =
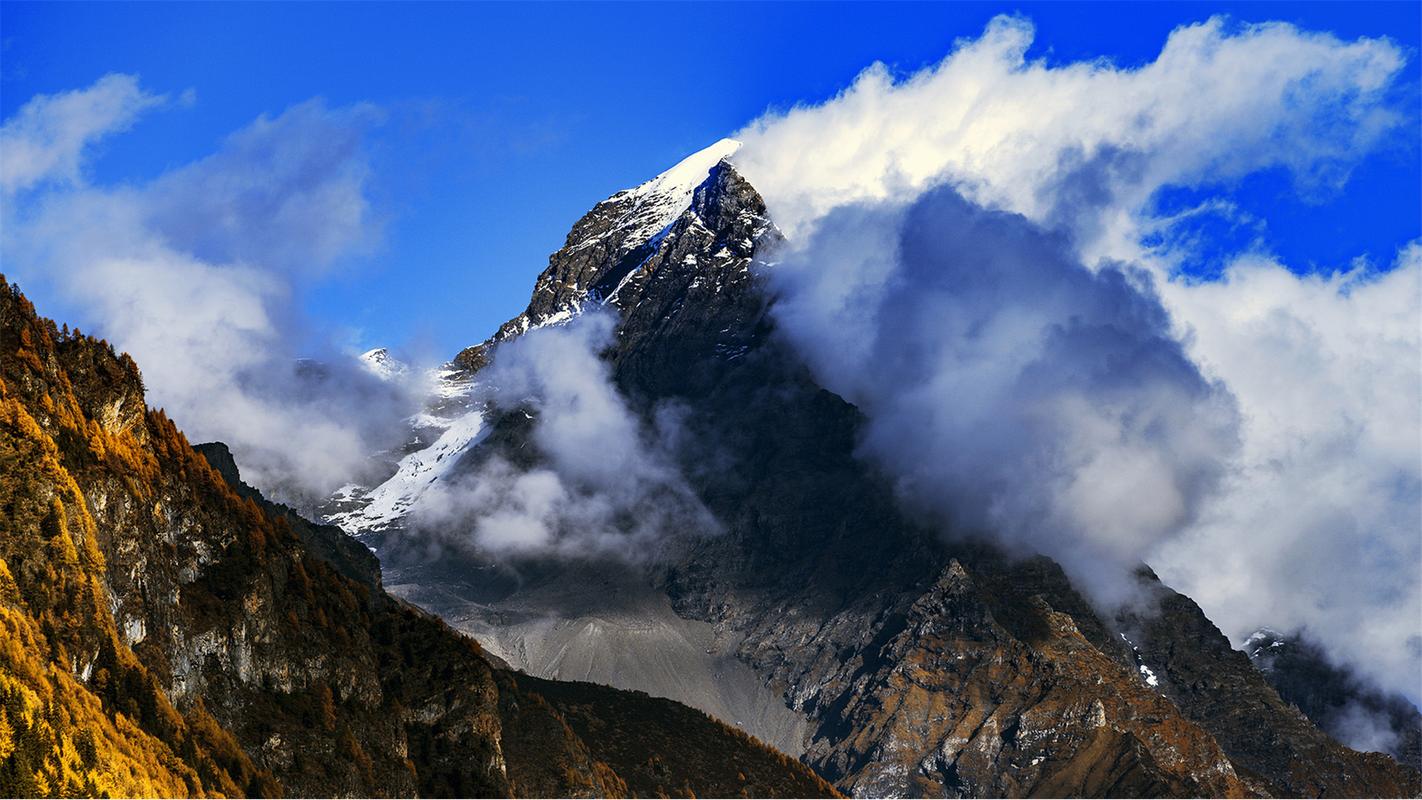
(79, 713)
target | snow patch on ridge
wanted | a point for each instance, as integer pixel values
(1147, 674)
(381, 364)
(450, 413)
(657, 203)
(390, 501)
(557, 317)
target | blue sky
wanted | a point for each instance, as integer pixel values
(504, 123)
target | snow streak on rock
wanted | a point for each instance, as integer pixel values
(624, 226)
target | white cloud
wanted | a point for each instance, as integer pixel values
(1009, 389)
(1321, 525)
(47, 138)
(603, 484)
(1317, 521)
(1216, 104)
(285, 192)
(1365, 730)
(194, 274)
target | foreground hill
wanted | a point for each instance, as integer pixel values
(166, 631)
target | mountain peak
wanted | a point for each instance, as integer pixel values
(642, 212)
(674, 260)
(688, 173)
(619, 237)
(1263, 640)
(380, 363)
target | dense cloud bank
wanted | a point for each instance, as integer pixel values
(1085, 142)
(602, 483)
(1053, 379)
(195, 273)
(1010, 389)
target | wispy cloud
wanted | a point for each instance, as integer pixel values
(1320, 525)
(47, 138)
(195, 273)
(598, 481)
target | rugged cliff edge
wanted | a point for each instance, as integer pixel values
(919, 664)
(166, 631)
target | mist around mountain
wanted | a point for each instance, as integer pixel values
(1345, 705)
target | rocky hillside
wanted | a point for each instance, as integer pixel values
(917, 664)
(168, 632)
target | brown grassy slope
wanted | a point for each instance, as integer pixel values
(655, 744)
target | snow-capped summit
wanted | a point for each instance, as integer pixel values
(381, 364)
(645, 210)
(696, 246)
(681, 180)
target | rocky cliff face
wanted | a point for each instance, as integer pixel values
(167, 631)
(612, 251)
(918, 664)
